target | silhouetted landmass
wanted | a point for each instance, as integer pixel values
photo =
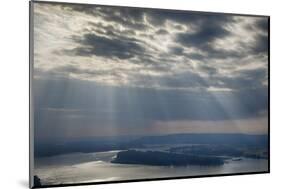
(53, 148)
(164, 159)
(233, 144)
(222, 150)
(37, 181)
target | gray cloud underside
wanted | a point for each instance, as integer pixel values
(199, 46)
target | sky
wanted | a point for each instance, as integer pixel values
(113, 71)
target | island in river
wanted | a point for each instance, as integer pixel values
(130, 158)
(164, 159)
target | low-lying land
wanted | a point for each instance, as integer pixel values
(164, 159)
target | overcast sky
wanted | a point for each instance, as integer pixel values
(106, 71)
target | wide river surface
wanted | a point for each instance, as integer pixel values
(96, 167)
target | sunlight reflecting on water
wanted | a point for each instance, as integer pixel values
(96, 167)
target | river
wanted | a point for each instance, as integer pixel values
(96, 167)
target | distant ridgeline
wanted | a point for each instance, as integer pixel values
(164, 158)
(229, 139)
(254, 146)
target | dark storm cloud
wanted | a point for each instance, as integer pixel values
(159, 17)
(129, 17)
(108, 41)
(205, 34)
(208, 29)
(132, 18)
(122, 48)
(162, 32)
(105, 39)
(208, 26)
(177, 50)
(261, 25)
(261, 44)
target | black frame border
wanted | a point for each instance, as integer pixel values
(31, 126)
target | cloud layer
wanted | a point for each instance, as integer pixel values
(124, 46)
(110, 66)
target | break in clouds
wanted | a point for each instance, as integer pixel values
(105, 71)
